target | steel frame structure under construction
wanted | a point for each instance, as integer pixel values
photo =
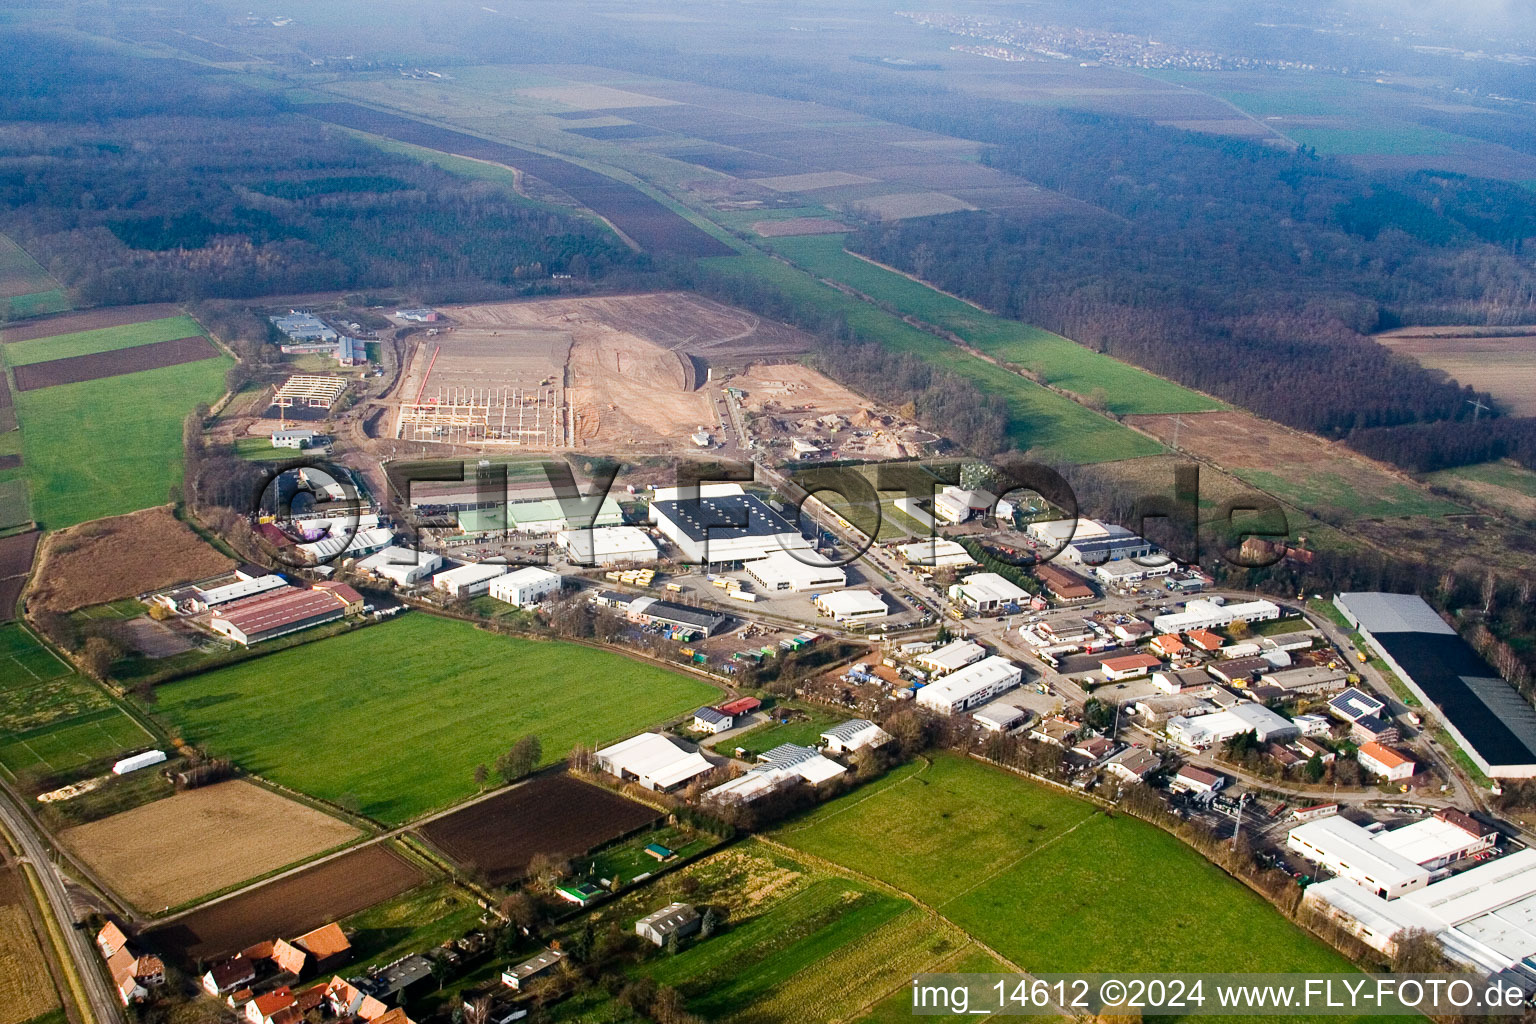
(521, 417)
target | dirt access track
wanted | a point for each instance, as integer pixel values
(124, 556)
(289, 906)
(168, 852)
(553, 814)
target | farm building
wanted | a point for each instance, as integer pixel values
(515, 977)
(402, 566)
(350, 599)
(204, 598)
(1198, 781)
(325, 945)
(1133, 764)
(1474, 914)
(723, 526)
(987, 592)
(1483, 713)
(785, 765)
(277, 614)
(133, 976)
(1203, 614)
(795, 572)
(299, 439)
(1207, 731)
(299, 326)
(1353, 852)
(970, 686)
(1067, 587)
(1129, 572)
(1386, 762)
(677, 919)
(137, 761)
(998, 717)
(954, 655)
(653, 761)
(936, 552)
(1128, 666)
(712, 720)
(609, 545)
(741, 706)
(856, 734)
(807, 763)
(529, 585)
(852, 605)
(468, 580)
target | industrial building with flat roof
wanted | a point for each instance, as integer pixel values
(1205, 731)
(608, 545)
(987, 592)
(1486, 716)
(797, 572)
(402, 566)
(468, 580)
(1352, 852)
(852, 605)
(723, 526)
(952, 656)
(970, 686)
(936, 552)
(1204, 614)
(529, 585)
(664, 613)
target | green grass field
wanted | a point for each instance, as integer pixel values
(1041, 420)
(1024, 869)
(1121, 388)
(396, 716)
(806, 733)
(105, 339)
(71, 743)
(105, 447)
(15, 506)
(1336, 494)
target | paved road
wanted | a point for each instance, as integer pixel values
(105, 1007)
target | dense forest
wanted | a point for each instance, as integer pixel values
(126, 198)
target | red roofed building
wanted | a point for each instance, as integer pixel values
(1168, 645)
(1204, 639)
(326, 944)
(1065, 586)
(279, 613)
(288, 957)
(351, 600)
(264, 1009)
(1129, 666)
(1384, 761)
(741, 706)
(110, 939)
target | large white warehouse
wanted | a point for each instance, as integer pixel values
(724, 526)
(967, 687)
(608, 545)
(1205, 731)
(527, 586)
(468, 580)
(1203, 614)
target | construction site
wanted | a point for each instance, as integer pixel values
(487, 386)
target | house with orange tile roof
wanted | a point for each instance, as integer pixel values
(326, 944)
(288, 957)
(1204, 639)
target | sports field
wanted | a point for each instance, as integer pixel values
(1122, 388)
(394, 718)
(51, 719)
(103, 339)
(1040, 420)
(104, 447)
(1023, 868)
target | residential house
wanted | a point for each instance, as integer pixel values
(1386, 762)
(224, 978)
(1133, 764)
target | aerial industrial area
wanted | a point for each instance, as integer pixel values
(611, 514)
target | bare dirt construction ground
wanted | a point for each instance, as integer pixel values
(792, 400)
(73, 369)
(631, 375)
(197, 842)
(123, 556)
(290, 906)
(90, 320)
(1500, 361)
(25, 990)
(799, 226)
(554, 814)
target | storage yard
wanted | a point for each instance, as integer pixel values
(553, 814)
(177, 849)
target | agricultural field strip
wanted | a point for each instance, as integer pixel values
(97, 340)
(153, 355)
